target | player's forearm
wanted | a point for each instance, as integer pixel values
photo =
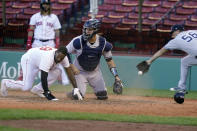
(156, 55)
(71, 76)
(44, 82)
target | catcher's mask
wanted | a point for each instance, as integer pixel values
(92, 24)
(47, 2)
(179, 97)
(177, 27)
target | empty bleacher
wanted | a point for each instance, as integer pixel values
(119, 19)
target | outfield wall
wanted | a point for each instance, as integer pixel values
(163, 74)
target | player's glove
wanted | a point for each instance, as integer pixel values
(117, 87)
(143, 66)
(76, 94)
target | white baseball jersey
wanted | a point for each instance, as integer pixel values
(43, 58)
(185, 41)
(45, 26)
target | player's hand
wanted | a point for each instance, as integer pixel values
(28, 45)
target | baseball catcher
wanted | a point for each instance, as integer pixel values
(143, 66)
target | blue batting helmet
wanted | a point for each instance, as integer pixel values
(177, 27)
(179, 97)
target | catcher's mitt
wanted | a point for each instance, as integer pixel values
(117, 87)
(143, 66)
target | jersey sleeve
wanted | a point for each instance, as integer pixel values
(171, 45)
(57, 24)
(33, 20)
(65, 62)
(74, 45)
(107, 50)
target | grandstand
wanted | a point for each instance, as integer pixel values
(119, 21)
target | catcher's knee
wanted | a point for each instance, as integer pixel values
(102, 95)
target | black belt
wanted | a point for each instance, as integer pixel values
(44, 40)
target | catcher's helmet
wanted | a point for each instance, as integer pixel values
(179, 97)
(92, 23)
(177, 27)
(44, 2)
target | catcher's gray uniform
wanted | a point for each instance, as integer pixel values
(90, 73)
(187, 42)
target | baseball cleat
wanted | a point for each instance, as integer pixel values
(37, 92)
(178, 89)
(4, 91)
(49, 96)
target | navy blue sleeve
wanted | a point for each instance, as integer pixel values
(77, 44)
(108, 46)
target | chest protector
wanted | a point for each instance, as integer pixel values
(90, 57)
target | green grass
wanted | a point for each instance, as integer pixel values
(7, 128)
(16, 114)
(132, 91)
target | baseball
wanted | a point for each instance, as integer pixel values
(140, 73)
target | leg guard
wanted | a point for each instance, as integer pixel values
(101, 95)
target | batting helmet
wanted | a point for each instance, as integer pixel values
(179, 97)
(44, 2)
(177, 27)
(92, 23)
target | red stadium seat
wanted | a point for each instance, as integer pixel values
(30, 11)
(120, 8)
(23, 17)
(130, 3)
(106, 7)
(35, 5)
(171, 23)
(135, 15)
(21, 5)
(100, 14)
(66, 1)
(116, 15)
(57, 6)
(161, 9)
(191, 23)
(148, 22)
(168, 4)
(145, 9)
(13, 11)
(185, 11)
(190, 4)
(178, 17)
(111, 20)
(155, 16)
(127, 21)
(194, 18)
(113, 2)
(151, 3)
(8, 4)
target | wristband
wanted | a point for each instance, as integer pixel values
(114, 71)
(57, 42)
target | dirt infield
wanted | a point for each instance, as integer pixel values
(114, 105)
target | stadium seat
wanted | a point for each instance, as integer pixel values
(23, 17)
(155, 16)
(66, 1)
(13, 10)
(133, 15)
(190, 4)
(130, 3)
(185, 11)
(191, 24)
(178, 17)
(194, 18)
(120, 8)
(20, 5)
(106, 7)
(168, 4)
(172, 22)
(100, 14)
(145, 9)
(117, 15)
(161, 10)
(30, 11)
(113, 2)
(8, 4)
(35, 5)
(127, 21)
(147, 3)
(148, 22)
